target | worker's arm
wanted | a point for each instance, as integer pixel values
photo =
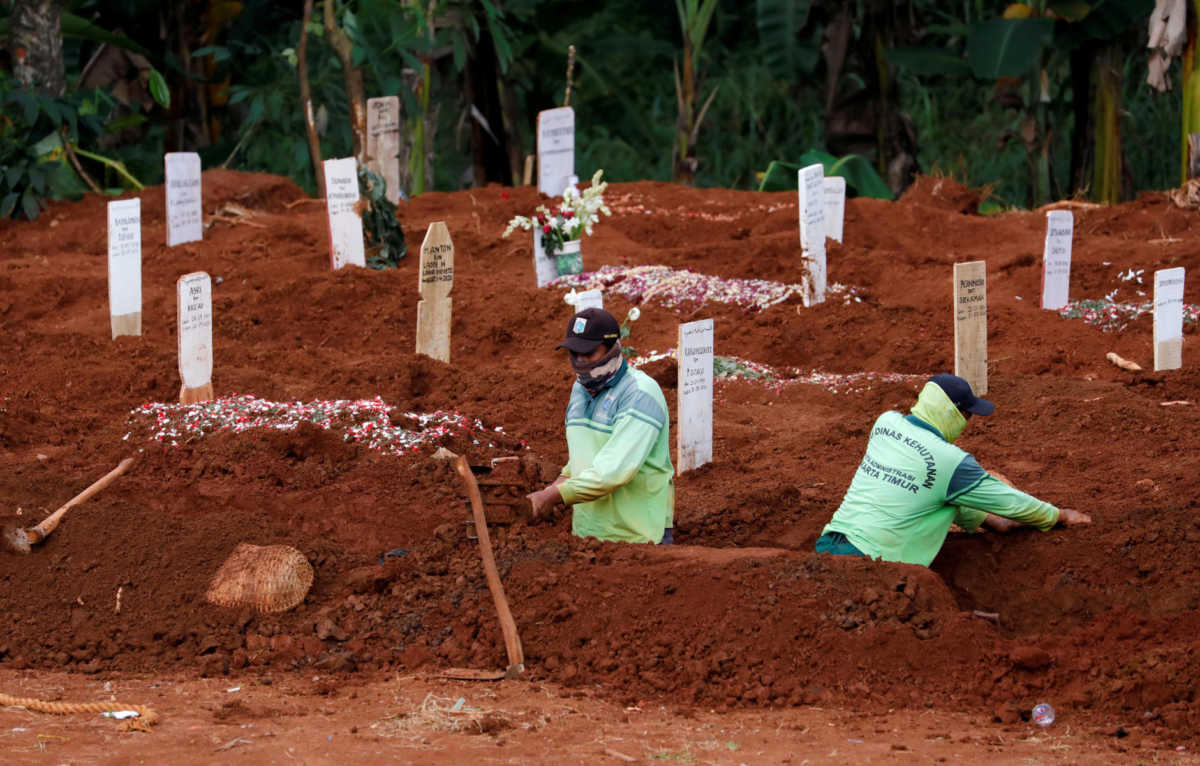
(633, 436)
(971, 487)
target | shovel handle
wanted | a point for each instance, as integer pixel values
(50, 523)
(508, 626)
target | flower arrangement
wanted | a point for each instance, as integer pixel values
(568, 222)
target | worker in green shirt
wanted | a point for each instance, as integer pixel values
(619, 479)
(913, 483)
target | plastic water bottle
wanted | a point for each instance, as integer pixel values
(1043, 714)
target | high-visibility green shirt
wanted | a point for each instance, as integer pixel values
(913, 484)
(619, 476)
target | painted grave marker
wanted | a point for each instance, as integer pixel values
(970, 324)
(585, 299)
(345, 221)
(1056, 259)
(555, 149)
(185, 217)
(695, 386)
(437, 280)
(383, 143)
(835, 206)
(811, 185)
(194, 299)
(125, 266)
(1168, 319)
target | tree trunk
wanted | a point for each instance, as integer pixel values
(310, 128)
(686, 163)
(1081, 106)
(1107, 171)
(35, 45)
(490, 146)
(1191, 87)
(344, 49)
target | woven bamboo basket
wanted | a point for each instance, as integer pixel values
(267, 578)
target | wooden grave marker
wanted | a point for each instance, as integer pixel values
(194, 300)
(555, 150)
(1056, 259)
(970, 324)
(383, 143)
(185, 215)
(695, 390)
(811, 186)
(1168, 319)
(345, 220)
(437, 280)
(835, 206)
(125, 266)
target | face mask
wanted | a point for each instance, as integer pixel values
(596, 375)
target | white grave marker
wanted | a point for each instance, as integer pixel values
(345, 221)
(586, 299)
(194, 299)
(555, 150)
(835, 206)
(437, 280)
(383, 143)
(1168, 319)
(1056, 259)
(125, 266)
(695, 357)
(185, 217)
(811, 185)
(970, 324)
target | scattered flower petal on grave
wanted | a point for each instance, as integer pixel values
(677, 287)
(730, 369)
(370, 422)
(1110, 316)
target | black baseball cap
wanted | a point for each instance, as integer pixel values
(960, 393)
(588, 329)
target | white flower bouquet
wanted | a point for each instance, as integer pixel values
(568, 222)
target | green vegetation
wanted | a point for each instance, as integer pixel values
(983, 90)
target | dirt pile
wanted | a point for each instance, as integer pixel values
(742, 613)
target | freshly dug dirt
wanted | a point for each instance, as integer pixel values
(1099, 620)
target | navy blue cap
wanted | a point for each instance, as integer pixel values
(588, 329)
(960, 393)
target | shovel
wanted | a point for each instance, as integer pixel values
(19, 540)
(508, 626)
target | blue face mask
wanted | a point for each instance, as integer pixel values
(594, 376)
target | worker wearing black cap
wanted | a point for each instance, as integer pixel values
(913, 483)
(619, 478)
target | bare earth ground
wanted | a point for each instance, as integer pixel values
(296, 719)
(738, 645)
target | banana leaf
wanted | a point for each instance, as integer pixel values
(861, 178)
(1007, 47)
(779, 25)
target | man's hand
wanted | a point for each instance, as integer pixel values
(1001, 524)
(544, 500)
(1072, 518)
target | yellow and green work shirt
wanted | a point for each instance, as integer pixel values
(913, 484)
(619, 476)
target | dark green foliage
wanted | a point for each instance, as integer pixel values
(861, 178)
(1007, 47)
(764, 56)
(33, 167)
(779, 24)
(381, 229)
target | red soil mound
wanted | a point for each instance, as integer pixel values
(1102, 617)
